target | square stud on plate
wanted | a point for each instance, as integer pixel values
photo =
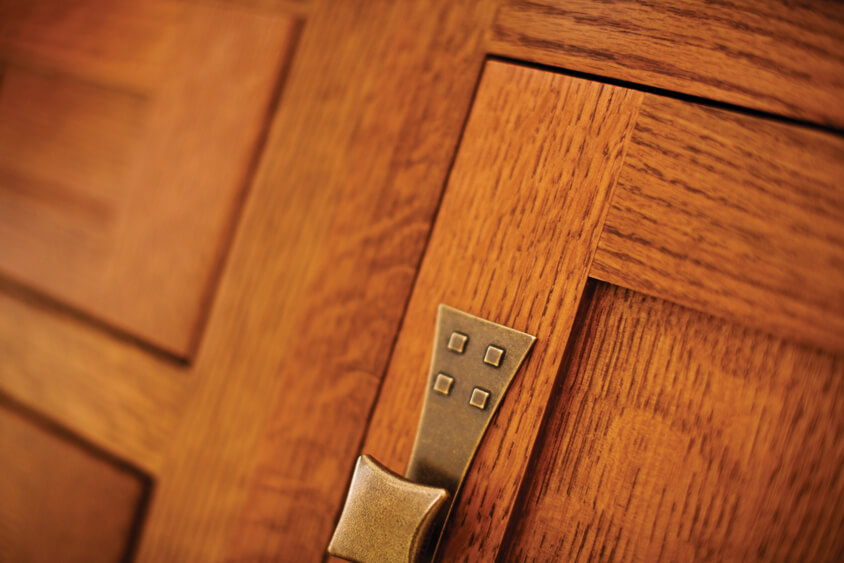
(479, 398)
(443, 384)
(457, 342)
(493, 356)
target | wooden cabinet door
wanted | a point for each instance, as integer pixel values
(690, 407)
(697, 414)
(225, 228)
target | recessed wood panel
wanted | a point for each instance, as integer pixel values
(734, 215)
(781, 57)
(678, 436)
(128, 131)
(59, 501)
(67, 148)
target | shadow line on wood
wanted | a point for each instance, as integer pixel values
(673, 94)
(49, 304)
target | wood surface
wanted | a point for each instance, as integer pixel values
(66, 148)
(120, 44)
(733, 215)
(59, 501)
(317, 280)
(127, 133)
(252, 440)
(113, 393)
(678, 436)
(513, 240)
(297, 8)
(780, 57)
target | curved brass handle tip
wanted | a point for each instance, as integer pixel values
(386, 517)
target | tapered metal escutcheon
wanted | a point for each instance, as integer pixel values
(392, 518)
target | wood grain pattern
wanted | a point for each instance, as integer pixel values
(297, 8)
(112, 393)
(125, 214)
(59, 502)
(679, 436)
(119, 44)
(252, 445)
(780, 57)
(66, 152)
(318, 278)
(516, 231)
(733, 215)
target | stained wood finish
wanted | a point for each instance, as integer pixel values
(121, 44)
(255, 439)
(679, 436)
(59, 502)
(298, 8)
(318, 279)
(66, 148)
(779, 57)
(733, 215)
(127, 132)
(514, 236)
(111, 392)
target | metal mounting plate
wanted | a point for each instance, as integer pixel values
(473, 363)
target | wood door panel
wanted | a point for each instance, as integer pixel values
(675, 435)
(780, 57)
(734, 215)
(128, 131)
(66, 149)
(116, 43)
(60, 502)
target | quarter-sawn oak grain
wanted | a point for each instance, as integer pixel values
(780, 57)
(512, 243)
(733, 215)
(677, 436)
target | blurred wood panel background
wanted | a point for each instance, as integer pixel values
(112, 393)
(61, 502)
(143, 158)
(127, 134)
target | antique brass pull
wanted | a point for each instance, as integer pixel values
(391, 518)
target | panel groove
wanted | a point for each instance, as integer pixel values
(673, 94)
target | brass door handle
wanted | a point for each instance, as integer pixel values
(392, 518)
